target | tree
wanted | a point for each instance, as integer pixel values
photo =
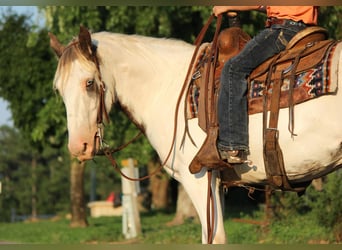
(13, 164)
(26, 63)
(37, 112)
(78, 209)
(16, 173)
(21, 49)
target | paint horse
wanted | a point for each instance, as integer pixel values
(145, 76)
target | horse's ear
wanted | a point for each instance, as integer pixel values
(85, 42)
(56, 45)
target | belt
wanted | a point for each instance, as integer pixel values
(271, 21)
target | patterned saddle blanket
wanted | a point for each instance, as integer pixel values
(310, 78)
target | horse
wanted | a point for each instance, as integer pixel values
(145, 76)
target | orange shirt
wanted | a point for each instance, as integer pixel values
(306, 14)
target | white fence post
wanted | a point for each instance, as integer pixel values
(130, 214)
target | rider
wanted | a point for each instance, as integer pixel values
(283, 22)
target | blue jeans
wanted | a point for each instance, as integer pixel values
(232, 102)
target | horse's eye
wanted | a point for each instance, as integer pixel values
(89, 83)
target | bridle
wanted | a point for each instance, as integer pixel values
(89, 50)
(102, 111)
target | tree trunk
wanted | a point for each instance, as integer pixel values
(185, 208)
(78, 208)
(158, 186)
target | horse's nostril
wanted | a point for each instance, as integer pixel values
(84, 147)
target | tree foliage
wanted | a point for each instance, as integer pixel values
(26, 71)
(330, 17)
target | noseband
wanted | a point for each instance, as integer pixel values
(101, 112)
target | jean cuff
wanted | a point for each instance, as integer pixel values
(230, 148)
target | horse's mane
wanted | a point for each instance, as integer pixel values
(134, 38)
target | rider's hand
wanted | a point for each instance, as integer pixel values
(217, 10)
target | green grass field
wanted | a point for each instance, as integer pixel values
(300, 230)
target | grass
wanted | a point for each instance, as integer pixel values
(294, 230)
(59, 231)
(299, 230)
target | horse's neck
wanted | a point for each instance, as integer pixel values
(147, 76)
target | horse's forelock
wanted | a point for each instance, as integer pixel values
(70, 54)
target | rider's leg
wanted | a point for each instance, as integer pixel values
(232, 103)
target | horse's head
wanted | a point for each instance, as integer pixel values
(78, 80)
